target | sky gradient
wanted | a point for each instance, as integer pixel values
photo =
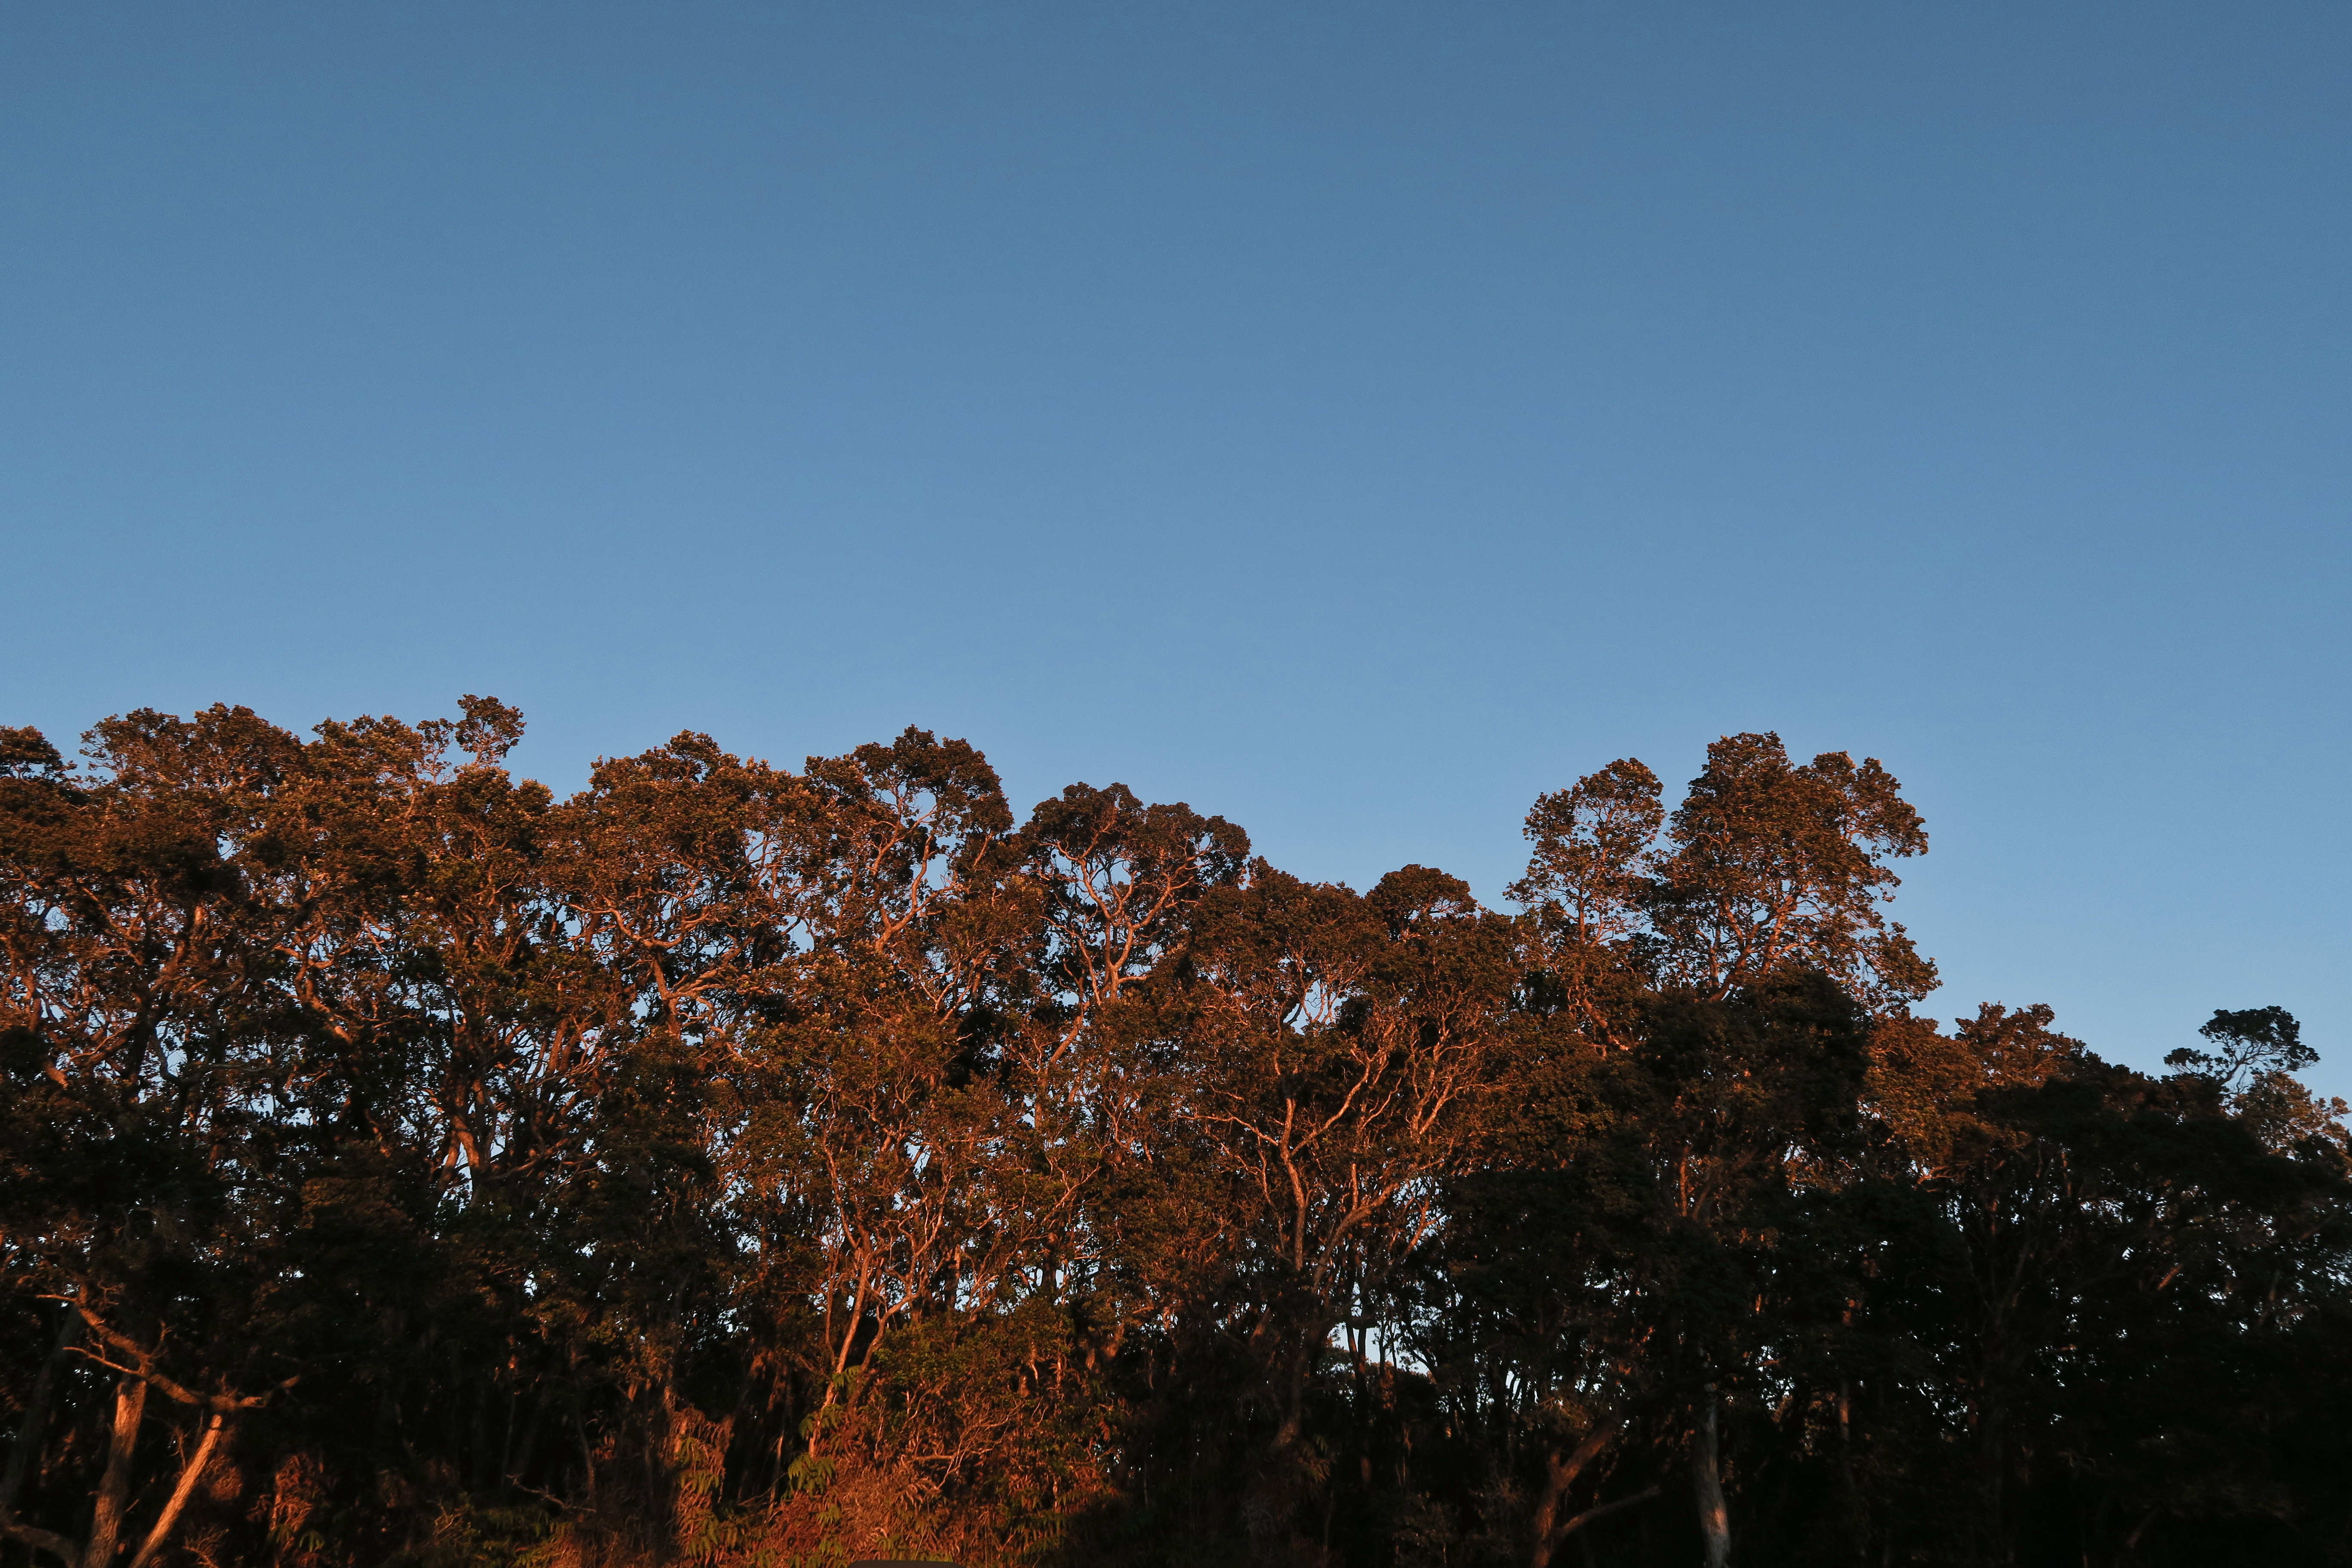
(1352, 420)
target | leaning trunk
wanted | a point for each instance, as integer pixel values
(1706, 1478)
(115, 1483)
(160, 1538)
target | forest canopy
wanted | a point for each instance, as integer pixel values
(733, 1165)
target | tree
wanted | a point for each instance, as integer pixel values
(1684, 941)
(1764, 867)
(736, 1165)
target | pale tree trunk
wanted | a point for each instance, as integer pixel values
(1707, 1477)
(166, 1522)
(114, 1483)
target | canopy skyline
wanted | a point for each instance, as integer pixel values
(1353, 424)
(739, 1167)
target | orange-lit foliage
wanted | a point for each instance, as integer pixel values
(735, 1165)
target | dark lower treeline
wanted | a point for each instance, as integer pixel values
(733, 1165)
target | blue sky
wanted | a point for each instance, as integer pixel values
(1351, 419)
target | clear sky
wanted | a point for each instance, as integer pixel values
(1352, 419)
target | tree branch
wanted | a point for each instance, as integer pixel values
(219, 1404)
(56, 1545)
(1579, 1522)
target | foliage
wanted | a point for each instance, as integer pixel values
(732, 1166)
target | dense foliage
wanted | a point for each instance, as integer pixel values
(731, 1166)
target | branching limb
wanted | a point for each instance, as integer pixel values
(144, 1370)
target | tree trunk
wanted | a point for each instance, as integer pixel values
(1707, 1476)
(30, 1428)
(1560, 1473)
(166, 1522)
(114, 1483)
(1602, 1510)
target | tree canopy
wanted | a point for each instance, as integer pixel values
(733, 1165)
